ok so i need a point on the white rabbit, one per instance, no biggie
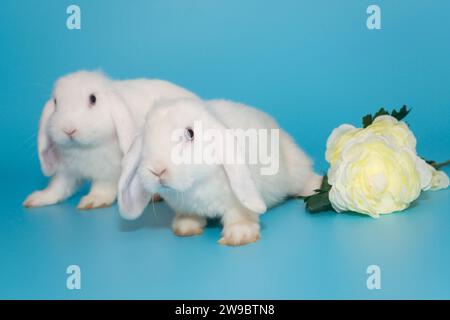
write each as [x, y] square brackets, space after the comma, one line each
[85, 128]
[237, 193]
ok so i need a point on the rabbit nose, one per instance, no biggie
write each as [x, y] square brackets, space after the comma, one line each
[158, 174]
[70, 132]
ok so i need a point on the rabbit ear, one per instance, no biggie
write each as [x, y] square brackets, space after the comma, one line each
[244, 187]
[239, 174]
[132, 198]
[123, 122]
[48, 153]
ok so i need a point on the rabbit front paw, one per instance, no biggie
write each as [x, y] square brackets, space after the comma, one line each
[102, 195]
[40, 198]
[93, 201]
[188, 225]
[240, 233]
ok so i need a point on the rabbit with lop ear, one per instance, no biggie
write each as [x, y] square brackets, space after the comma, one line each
[86, 127]
[235, 191]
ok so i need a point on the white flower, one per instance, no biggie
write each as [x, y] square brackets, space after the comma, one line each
[376, 170]
[373, 176]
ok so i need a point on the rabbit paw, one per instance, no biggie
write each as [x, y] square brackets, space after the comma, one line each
[93, 201]
[39, 199]
[188, 225]
[240, 233]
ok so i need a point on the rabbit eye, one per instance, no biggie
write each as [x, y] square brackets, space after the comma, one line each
[92, 99]
[189, 134]
[54, 101]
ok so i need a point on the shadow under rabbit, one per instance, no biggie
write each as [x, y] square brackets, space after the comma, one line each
[160, 216]
[155, 216]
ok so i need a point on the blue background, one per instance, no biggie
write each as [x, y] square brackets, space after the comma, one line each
[311, 64]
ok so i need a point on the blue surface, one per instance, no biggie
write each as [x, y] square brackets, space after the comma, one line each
[311, 64]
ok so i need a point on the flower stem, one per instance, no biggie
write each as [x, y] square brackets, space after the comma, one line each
[440, 165]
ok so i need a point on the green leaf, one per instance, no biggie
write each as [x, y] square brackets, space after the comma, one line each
[381, 112]
[318, 203]
[400, 115]
[325, 186]
[368, 119]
